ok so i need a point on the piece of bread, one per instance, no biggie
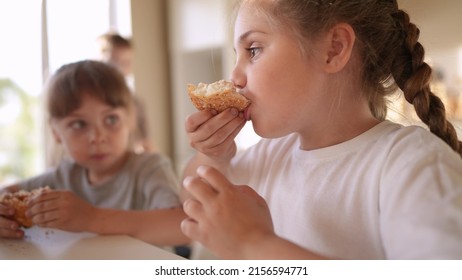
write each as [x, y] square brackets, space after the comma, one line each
[218, 96]
[18, 200]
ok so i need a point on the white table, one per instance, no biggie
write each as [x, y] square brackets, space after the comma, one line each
[53, 244]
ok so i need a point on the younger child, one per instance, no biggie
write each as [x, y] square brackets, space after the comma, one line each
[339, 180]
[104, 187]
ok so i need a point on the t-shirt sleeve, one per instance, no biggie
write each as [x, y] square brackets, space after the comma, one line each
[421, 207]
[59, 177]
[46, 179]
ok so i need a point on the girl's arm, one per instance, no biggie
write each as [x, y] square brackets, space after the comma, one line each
[273, 247]
[212, 135]
[233, 221]
[65, 210]
[159, 227]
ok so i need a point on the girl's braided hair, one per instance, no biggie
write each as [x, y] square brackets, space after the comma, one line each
[387, 43]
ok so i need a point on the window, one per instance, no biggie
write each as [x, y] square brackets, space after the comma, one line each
[73, 27]
[20, 84]
[36, 41]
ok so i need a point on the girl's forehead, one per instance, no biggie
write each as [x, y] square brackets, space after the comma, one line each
[89, 97]
[92, 102]
[250, 20]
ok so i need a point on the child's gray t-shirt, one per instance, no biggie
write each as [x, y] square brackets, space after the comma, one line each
[147, 181]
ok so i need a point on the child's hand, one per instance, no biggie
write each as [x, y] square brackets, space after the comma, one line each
[61, 209]
[213, 134]
[227, 219]
[8, 227]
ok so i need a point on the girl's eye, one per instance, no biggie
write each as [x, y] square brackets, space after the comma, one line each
[77, 124]
[112, 120]
[253, 51]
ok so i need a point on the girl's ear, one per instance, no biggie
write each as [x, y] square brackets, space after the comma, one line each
[340, 42]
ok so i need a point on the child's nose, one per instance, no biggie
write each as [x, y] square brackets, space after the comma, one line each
[238, 77]
[97, 136]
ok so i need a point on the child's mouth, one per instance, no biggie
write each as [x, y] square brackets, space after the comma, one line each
[247, 113]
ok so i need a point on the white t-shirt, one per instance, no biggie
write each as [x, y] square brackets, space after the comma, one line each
[392, 192]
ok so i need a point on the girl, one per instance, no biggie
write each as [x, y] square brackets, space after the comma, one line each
[91, 115]
[339, 180]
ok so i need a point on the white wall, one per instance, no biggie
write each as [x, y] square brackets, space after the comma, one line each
[151, 69]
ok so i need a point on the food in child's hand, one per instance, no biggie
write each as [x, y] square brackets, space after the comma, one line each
[217, 96]
[18, 200]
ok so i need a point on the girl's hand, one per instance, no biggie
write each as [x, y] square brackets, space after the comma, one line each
[213, 134]
[62, 210]
[8, 227]
[227, 219]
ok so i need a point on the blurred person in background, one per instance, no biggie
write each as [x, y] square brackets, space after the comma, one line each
[118, 51]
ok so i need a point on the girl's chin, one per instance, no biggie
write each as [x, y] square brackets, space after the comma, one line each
[267, 131]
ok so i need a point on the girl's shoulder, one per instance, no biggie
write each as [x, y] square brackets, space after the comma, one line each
[413, 137]
[405, 147]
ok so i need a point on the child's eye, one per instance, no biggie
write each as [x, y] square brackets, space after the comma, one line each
[111, 120]
[79, 124]
[253, 51]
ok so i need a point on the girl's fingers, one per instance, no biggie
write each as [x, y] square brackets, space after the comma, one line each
[199, 189]
[217, 181]
[44, 219]
[45, 196]
[195, 120]
[42, 207]
[227, 133]
[219, 126]
[8, 233]
[193, 209]
[6, 211]
[10, 229]
[190, 228]
[249, 192]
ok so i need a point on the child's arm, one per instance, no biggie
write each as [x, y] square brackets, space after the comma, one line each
[234, 222]
[64, 210]
[159, 227]
[273, 247]
[212, 135]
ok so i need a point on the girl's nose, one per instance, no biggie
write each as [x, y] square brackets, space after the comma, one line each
[238, 77]
[97, 136]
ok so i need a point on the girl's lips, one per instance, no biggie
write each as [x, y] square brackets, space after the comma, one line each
[247, 113]
[98, 156]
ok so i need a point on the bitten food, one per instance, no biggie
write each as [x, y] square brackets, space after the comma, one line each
[18, 200]
[217, 96]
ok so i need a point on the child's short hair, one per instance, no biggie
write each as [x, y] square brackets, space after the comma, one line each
[110, 41]
[98, 79]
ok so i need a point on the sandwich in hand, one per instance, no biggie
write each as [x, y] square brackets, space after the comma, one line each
[18, 201]
[217, 96]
